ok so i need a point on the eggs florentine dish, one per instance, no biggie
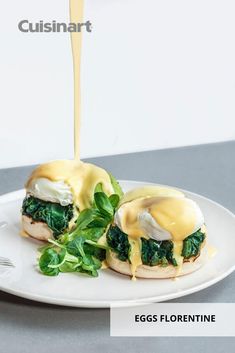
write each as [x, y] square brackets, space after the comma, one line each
[157, 233]
[57, 192]
[79, 208]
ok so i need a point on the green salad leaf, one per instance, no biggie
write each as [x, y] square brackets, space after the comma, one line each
[116, 186]
[48, 260]
[103, 204]
[57, 217]
[78, 250]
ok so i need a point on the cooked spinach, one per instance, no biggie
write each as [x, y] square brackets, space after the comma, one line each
[157, 252]
[57, 217]
[153, 252]
[192, 244]
[118, 242]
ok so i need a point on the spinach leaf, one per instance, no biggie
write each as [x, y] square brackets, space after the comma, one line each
[57, 217]
[192, 244]
[155, 252]
[152, 252]
[118, 242]
[168, 246]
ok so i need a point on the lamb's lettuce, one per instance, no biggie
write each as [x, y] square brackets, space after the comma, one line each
[79, 250]
[116, 186]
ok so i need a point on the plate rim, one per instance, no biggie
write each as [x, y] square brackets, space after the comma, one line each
[17, 194]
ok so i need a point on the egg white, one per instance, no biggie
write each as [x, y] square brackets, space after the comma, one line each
[52, 191]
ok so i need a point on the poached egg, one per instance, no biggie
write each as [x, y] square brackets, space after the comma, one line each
[52, 191]
[159, 213]
[160, 218]
[68, 181]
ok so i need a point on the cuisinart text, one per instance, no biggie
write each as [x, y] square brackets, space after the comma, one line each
[26, 26]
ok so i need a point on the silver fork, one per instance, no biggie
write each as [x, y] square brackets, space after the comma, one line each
[5, 262]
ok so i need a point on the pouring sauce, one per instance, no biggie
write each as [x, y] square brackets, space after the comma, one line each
[81, 177]
[76, 16]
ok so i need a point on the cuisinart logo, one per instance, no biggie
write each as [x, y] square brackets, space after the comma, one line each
[53, 27]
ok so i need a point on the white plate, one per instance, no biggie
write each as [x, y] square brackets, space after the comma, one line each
[109, 288]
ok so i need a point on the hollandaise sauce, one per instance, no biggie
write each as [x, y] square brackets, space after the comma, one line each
[173, 214]
[82, 179]
[76, 16]
[135, 255]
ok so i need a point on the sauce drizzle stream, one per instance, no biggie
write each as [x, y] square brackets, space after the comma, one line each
[76, 16]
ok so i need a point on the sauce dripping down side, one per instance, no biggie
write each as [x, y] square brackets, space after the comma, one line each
[172, 213]
[76, 16]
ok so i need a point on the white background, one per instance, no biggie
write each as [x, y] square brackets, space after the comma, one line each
[155, 74]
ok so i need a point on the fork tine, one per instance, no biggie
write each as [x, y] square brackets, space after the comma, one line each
[7, 265]
[6, 262]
